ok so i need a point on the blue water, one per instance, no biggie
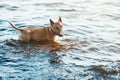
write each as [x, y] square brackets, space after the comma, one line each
[92, 38]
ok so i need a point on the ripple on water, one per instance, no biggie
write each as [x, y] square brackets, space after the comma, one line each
[3, 29]
[12, 8]
[111, 48]
[113, 16]
[49, 4]
[68, 10]
[3, 5]
[93, 49]
[9, 7]
[105, 70]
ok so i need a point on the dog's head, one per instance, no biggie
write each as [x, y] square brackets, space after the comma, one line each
[56, 27]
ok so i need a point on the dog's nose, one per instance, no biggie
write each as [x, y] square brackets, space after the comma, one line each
[61, 35]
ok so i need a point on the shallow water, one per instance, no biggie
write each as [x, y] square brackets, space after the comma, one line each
[92, 38]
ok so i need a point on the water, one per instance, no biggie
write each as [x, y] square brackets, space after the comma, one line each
[92, 38]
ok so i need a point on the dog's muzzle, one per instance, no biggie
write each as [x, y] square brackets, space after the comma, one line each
[61, 34]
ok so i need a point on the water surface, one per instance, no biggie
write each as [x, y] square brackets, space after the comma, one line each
[92, 38]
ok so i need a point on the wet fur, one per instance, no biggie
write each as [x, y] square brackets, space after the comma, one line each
[46, 34]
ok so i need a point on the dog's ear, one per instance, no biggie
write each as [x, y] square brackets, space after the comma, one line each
[60, 19]
[51, 22]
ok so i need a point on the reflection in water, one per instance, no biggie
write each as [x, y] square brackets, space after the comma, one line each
[50, 47]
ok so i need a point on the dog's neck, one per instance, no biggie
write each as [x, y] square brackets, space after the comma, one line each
[50, 34]
[51, 30]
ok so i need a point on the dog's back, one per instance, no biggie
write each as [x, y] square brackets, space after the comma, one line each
[41, 34]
